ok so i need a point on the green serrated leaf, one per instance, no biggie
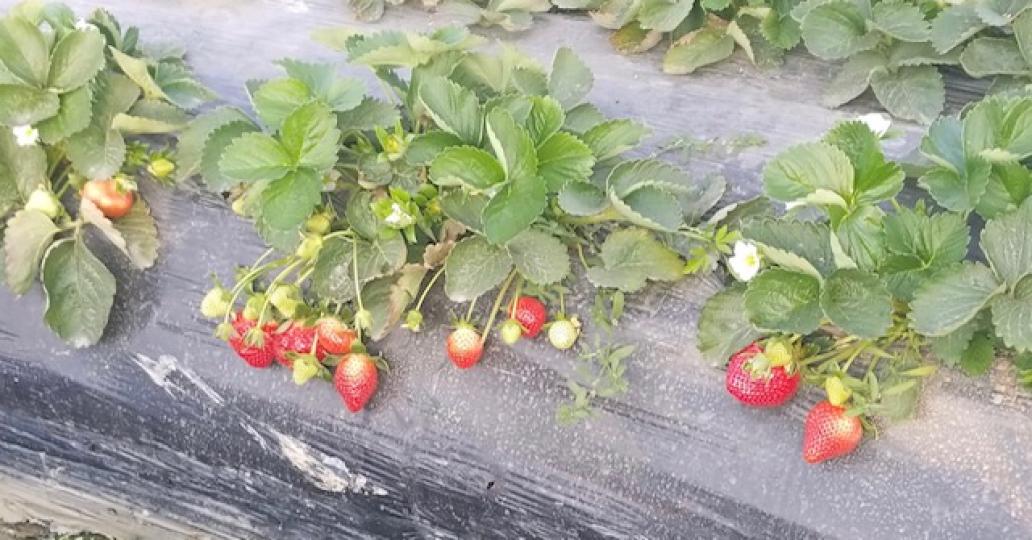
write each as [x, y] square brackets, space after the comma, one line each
[853, 79]
[955, 25]
[311, 138]
[836, 30]
[453, 108]
[979, 355]
[914, 93]
[630, 257]
[24, 51]
[73, 116]
[1007, 244]
[514, 209]
[22, 105]
[857, 302]
[986, 56]
[953, 297]
[563, 158]
[614, 137]
[473, 268]
[697, 49]
[367, 115]
[803, 169]
[466, 166]
[1012, 316]
[288, 201]
[255, 157]
[276, 99]
[724, 327]
[901, 20]
[77, 57]
[784, 301]
[80, 291]
[570, 79]
[799, 246]
[28, 235]
[539, 257]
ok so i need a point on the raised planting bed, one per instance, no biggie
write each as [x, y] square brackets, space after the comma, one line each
[159, 430]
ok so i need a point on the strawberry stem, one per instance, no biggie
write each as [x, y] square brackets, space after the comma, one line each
[358, 289]
[496, 306]
[429, 286]
[275, 281]
[469, 312]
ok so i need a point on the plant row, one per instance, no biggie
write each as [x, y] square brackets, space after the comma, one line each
[894, 47]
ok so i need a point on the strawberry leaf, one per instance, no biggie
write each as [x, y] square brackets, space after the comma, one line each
[453, 108]
[952, 298]
[836, 30]
[29, 233]
[631, 257]
[388, 297]
[254, 157]
[288, 201]
[276, 99]
[804, 169]
[1011, 316]
[73, 116]
[24, 51]
[539, 257]
[466, 166]
[614, 137]
[311, 138]
[570, 79]
[77, 57]
[21, 170]
[723, 325]
[20, 105]
[781, 300]
[986, 56]
[80, 291]
[514, 209]
[563, 158]
[697, 49]
[1007, 244]
[857, 302]
[473, 268]
[192, 141]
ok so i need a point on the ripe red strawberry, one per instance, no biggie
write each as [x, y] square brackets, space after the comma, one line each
[259, 357]
[464, 346]
[759, 388]
[531, 314]
[828, 433]
[334, 337]
[296, 338]
[355, 380]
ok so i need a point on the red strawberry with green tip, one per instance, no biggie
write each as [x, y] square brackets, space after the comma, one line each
[356, 380]
[830, 433]
[531, 314]
[259, 356]
[752, 381]
[464, 346]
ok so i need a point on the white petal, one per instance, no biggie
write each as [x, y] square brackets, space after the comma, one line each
[879, 123]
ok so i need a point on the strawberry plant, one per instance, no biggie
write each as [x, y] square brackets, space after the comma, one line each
[71, 92]
[482, 172]
[857, 299]
[512, 15]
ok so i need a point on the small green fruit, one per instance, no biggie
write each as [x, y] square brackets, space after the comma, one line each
[838, 394]
[253, 307]
[310, 247]
[43, 200]
[563, 333]
[364, 319]
[413, 320]
[511, 332]
[161, 168]
[318, 224]
[215, 303]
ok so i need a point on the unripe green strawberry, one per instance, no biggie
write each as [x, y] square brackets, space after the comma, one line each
[838, 393]
[43, 200]
[310, 247]
[238, 207]
[511, 332]
[253, 307]
[318, 223]
[364, 319]
[563, 333]
[413, 320]
[286, 299]
[215, 303]
[161, 168]
[305, 367]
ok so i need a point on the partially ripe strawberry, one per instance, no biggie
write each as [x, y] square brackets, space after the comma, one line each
[356, 380]
[334, 337]
[464, 346]
[765, 387]
[829, 433]
[259, 356]
[531, 314]
[295, 339]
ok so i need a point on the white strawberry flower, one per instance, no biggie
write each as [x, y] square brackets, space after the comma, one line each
[745, 262]
[879, 123]
[25, 135]
[398, 217]
[83, 26]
